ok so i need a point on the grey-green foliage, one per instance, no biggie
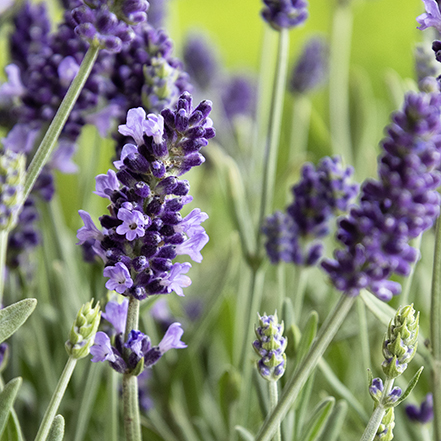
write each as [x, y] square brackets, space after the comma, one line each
[7, 398]
[13, 316]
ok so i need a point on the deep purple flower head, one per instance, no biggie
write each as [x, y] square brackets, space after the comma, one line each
[322, 193]
[432, 16]
[397, 207]
[285, 14]
[239, 96]
[200, 60]
[422, 414]
[311, 69]
[108, 24]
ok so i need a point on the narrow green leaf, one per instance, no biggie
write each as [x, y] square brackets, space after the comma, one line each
[335, 422]
[308, 336]
[229, 389]
[381, 310]
[410, 386]
[13, 316]
[318, 420]
[245, 434]
[7, 398]
[57, 429]
[13, 430]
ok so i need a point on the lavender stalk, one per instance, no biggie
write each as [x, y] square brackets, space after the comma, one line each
[304, 370]
[435, 332]
[50, 139]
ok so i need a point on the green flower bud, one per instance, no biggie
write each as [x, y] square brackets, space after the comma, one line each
[12, 177]
[385, 431]
[401, 341]
[84, 328]
[270, 346]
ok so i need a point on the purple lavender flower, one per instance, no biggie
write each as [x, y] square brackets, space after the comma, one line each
[119, 278]
[13, 88]
[311, 69]
[321, 193]
[432, 16]
[400, 205]
[139, 346]
[284, 14]
[144, 231]
[106, 184]
[4, 351]
[238, 96]
[116, 315]
[200, 60]
[102, 24]
[102, 349]
[421, 414]
[172, 338]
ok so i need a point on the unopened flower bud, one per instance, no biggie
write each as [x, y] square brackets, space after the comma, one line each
[270, 346]
[400, 342]
[12, 177]
[84, 328]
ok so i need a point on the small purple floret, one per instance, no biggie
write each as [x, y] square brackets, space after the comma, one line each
[116, 315]
[119, 278]
[432, 16]
[172, 338]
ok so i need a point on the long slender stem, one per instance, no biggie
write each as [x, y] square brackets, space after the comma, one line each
[338, 82]
[435, 332]
[377, 414]
[270, 159]
[50, 138]
[132, 423]
[301, 118]
[3, 249]
[57, 396]
[273, 394]
[304, 370]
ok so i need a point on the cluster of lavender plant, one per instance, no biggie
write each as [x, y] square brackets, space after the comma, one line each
[138, 86]
[43, 66]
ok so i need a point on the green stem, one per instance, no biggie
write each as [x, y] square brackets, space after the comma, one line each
[338, 82]
[301, 118]
[50, 138]
[306, 367]
[112, 428]
[301, 274]
[3, 249]
[273, 394]
[132, 424]
[377, 414]
[416, 243]
[57, 396]
[435, 333]
[270, 158]
[364, 335]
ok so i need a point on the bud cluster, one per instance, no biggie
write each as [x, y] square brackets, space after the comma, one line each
[82, 334]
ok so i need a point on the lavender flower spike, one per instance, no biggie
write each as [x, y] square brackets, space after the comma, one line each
[286, 14]
[397, 207]
[432, 16]
[421, 414]
[108, 24]
[116, 315]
